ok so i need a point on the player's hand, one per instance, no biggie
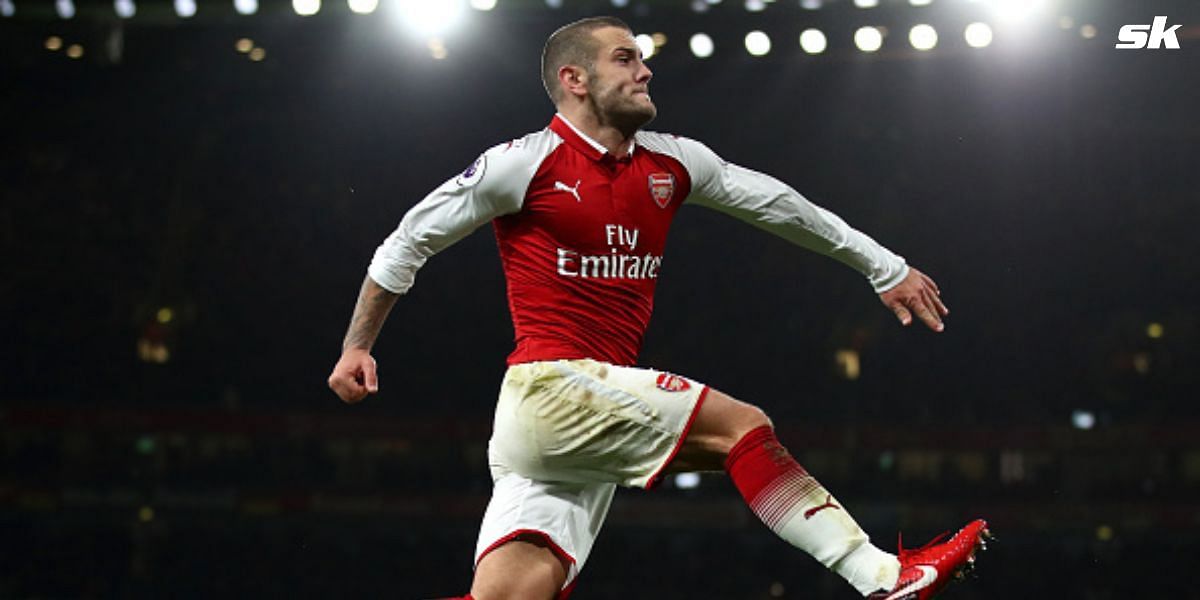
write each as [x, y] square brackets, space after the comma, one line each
[917, 294]
[353, 376]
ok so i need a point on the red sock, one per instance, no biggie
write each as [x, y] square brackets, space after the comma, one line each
[770, 480]
[799, 510]
[802, 512]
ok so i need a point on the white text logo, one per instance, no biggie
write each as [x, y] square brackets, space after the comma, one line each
[617, 264]
[1150, 37]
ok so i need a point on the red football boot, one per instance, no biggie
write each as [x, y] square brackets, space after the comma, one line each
[925, 571]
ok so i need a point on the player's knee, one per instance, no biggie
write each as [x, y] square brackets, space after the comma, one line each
[515, 592]
[745, 418]
[748, 419]
[524, 568]
[516, 586]
[722, 423]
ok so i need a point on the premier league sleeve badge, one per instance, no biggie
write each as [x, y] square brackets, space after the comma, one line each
[473, 173]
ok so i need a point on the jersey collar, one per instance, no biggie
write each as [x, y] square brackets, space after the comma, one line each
[580, 140]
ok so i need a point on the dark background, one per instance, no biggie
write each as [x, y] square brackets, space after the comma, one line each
[1048, 183]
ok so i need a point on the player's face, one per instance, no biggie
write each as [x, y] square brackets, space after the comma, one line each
[619, 87]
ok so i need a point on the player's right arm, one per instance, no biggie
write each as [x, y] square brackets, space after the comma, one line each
[354, 375]
[492, 186]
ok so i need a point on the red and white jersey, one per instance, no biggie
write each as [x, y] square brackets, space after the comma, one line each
[581, 233]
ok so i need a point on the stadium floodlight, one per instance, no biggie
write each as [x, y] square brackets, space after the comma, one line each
[813, 41]
[868, 39]
[866, 3]
[124, 8]
[620, 3]
[1015, 10]
[64, 8]
[1083, 419]
[483, 4]
[1155, 330]
[186, 9]
[7, 9]
[430, 19]
[645, 43]
[758, 43]
[756, 5]
[306, 8]
[810, 4]
[701, 45]
[849, 363]
[362, 7]
[923, 37]
[245, 7]
[978, 35]
[437, 49]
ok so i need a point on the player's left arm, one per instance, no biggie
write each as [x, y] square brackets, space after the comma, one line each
[774, 206]
[916, 294]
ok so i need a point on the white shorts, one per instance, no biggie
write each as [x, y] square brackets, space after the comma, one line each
[566, 434]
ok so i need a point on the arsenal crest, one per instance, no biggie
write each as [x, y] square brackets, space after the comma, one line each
[671, 383]
[662, 187]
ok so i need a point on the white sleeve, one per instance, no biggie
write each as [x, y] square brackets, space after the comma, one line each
[770, 204]
[492, 186]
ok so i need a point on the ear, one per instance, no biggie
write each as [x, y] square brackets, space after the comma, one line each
[573, 79]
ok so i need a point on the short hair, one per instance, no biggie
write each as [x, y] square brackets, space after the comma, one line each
[573, 44]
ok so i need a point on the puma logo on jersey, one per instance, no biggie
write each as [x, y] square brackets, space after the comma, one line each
[808, 514]
[558, 185]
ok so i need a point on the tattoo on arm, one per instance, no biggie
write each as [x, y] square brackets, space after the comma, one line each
[370, 311]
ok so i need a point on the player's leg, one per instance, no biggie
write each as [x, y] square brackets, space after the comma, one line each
[738, 437]
[595, 421]
[525, 567]
[540, 524]
[536, 535]
[719, 424]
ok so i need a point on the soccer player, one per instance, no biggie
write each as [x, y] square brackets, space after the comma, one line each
[581, 211]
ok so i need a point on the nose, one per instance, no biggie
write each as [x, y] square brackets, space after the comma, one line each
[644, 74]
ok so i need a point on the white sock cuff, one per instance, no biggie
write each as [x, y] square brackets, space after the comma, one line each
[869, 569]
